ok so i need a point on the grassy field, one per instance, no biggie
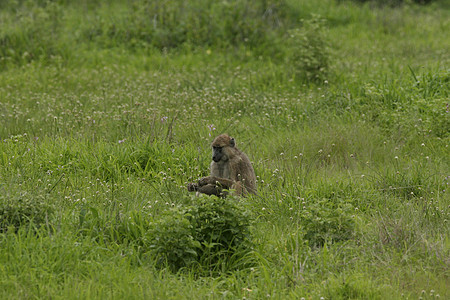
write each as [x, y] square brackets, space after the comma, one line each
[107, 111]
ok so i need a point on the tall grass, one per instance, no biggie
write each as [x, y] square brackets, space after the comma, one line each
[108, 110]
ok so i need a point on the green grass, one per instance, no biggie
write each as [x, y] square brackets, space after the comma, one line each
[343, 109]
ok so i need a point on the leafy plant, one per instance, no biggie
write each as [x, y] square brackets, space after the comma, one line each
[308, 51]
[220, 225]
[172, 241]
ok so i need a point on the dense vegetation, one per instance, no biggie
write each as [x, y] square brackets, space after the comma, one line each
[107, 110]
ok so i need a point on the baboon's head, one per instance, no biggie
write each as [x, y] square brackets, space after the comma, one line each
[221, 147]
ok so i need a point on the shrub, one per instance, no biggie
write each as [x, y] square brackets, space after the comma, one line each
[172, 240]
[308, 51]
[220, 224]
[209, 232]
[16, 211]
[205, 233]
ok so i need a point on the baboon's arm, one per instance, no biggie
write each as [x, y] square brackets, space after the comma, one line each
[223, 182]
[212, 185]
[210, 189]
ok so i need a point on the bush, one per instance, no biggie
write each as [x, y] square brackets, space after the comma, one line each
[308, 51]
[25, 208]
[205, 233]
[209, 232]
[220, 224]
[172, 240]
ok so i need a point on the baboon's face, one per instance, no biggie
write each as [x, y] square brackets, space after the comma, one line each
[222, 148]
[219, 154]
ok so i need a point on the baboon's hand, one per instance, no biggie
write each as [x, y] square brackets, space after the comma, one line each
[192, 187]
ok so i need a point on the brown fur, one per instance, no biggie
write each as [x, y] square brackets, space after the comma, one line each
[232, 172]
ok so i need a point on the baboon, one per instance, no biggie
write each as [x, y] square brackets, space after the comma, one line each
[230, 170]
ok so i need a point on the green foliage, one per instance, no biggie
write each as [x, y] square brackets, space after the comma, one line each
[308, 52]
[169, 24]
[42, 31]
[38, 30]
[419, 103]
[33, 32]
[95, 224]
[220, 224]
[23, 208]
[354, 287]
[173, 241]
[208, 232]
[327, 221]
[107, 112]
[406, 183]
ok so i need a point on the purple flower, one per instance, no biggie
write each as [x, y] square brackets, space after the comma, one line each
[211, 128]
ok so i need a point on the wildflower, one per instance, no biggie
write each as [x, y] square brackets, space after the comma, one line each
[211, 128]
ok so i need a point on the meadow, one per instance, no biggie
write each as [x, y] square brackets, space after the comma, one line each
[108, 109]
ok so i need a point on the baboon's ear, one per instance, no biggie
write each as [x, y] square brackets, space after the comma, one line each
[232, 142]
